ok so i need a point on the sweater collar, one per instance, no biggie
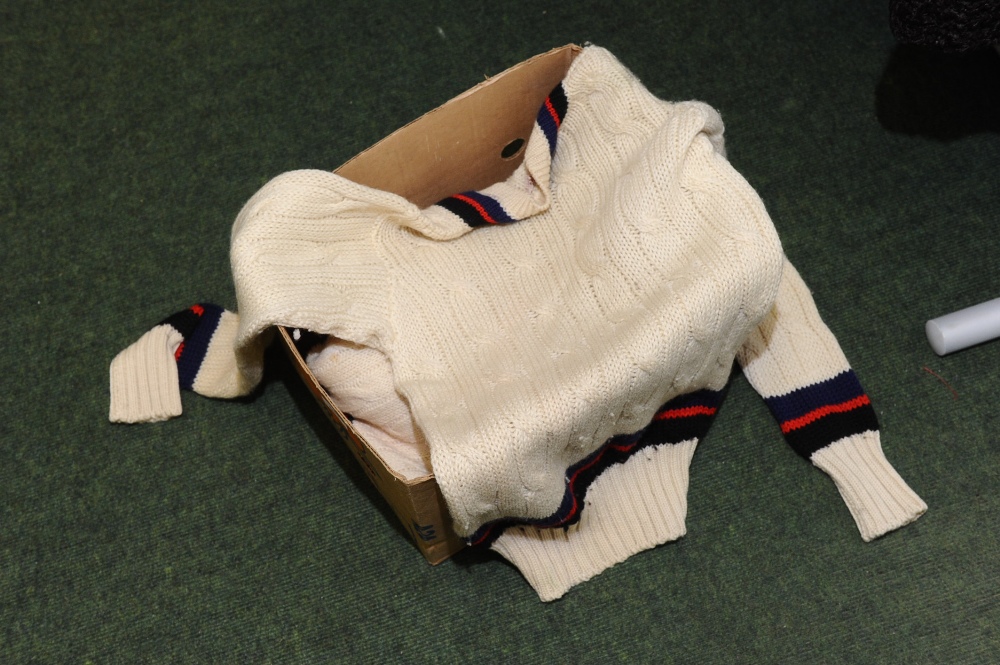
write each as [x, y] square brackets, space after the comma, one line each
[524, 194]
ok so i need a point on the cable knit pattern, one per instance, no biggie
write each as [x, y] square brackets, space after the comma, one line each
[558, 339]
[521, 349]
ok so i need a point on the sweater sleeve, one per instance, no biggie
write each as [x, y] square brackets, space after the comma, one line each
[794, 362]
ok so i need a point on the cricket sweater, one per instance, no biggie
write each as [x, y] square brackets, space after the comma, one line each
[559, 339]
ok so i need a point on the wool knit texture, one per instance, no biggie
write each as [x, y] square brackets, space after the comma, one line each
[641, 501]
[559, 341]
[191, 349]
[641, 262]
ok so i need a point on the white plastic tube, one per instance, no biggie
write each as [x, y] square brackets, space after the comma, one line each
[964, 328]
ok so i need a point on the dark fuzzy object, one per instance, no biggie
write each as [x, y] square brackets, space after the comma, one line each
[950, 25]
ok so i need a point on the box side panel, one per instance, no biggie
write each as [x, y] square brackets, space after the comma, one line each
[431, 525]
[457, 146]
[418, 503]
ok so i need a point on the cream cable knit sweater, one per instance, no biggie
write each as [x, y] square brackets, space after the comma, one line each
[642, 262]
[637, 266]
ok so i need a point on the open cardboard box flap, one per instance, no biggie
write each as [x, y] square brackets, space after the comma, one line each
[456, 147]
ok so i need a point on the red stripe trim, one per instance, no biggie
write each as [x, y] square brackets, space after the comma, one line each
[480, 209]
[179, 351]
[572, 491]
[552, 112]
[686, 412]
[816, 414]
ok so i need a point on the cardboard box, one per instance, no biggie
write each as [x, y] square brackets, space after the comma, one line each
[468, 143]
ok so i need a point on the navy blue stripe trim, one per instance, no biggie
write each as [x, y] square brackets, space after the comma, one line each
[551, 115]
[465, 210]
[196, 345]
[841, 388]
[477, 209]
[615, 450]
[491, 206]
[489, 210]
[462, 209]
[559, 101]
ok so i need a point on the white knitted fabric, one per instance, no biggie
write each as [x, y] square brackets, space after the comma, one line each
[144, 383]
[361, 379]
[631, 507]
[642, 502]
[643, 263]
[639, 266]
[792, 347]
[144, 378]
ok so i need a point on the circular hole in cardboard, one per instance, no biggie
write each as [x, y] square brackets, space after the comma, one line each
[512, 149]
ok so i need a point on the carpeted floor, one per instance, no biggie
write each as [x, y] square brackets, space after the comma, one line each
[131, 133]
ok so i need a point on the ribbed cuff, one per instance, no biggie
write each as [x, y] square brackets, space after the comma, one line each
[878, 498]
[144, 382]
[629, 508]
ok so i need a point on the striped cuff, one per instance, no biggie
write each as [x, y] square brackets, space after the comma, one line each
[193, 349]
[833, 424]
[879, 499]
[816, 415]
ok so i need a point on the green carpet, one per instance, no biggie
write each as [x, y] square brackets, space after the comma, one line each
[131, 132]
